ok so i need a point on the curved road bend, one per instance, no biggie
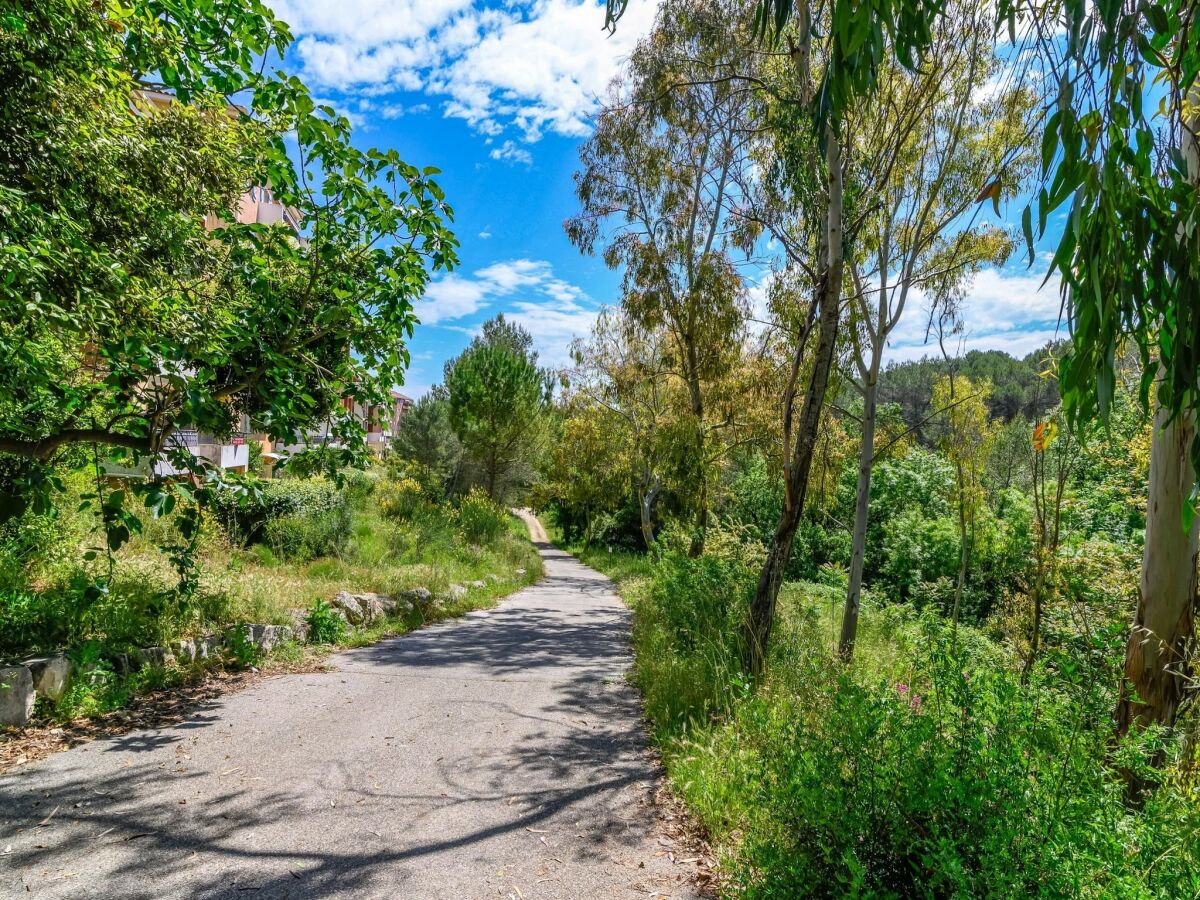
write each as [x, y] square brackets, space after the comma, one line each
[499, 755]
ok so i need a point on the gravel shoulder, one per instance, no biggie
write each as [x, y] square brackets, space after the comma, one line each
[498, 755]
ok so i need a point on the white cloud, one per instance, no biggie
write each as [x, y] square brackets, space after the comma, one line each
[457, 296]
[485, 234]
[553, 325]
[1000, 311]
[536, 65]
[510, 153]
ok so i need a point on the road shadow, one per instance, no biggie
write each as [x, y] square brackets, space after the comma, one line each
[583, 752]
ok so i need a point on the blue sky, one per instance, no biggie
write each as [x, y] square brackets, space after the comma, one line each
[499, 97]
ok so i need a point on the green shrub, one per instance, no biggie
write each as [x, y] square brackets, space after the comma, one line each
[955, 780]
[302, 536]
[481, 520]
[247, 514]
[324, 625]
[401, 499]
[242, 650]
[688, 627]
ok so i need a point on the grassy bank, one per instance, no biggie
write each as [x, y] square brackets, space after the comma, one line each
[384, 538]
[928, 767]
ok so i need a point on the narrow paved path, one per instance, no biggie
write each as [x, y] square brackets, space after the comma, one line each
[500, 755]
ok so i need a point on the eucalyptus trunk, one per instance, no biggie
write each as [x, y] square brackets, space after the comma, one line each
[1156, 655]
[862, 508]
[800, 448]
[646, 496]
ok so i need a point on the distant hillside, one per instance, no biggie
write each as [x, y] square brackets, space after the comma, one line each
[1019, 389]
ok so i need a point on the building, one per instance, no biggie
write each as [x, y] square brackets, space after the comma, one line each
[381, 423]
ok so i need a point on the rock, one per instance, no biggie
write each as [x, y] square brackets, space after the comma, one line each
[456, 592]
[51, 675]
[521, 571]
[121, 663]
[494, 578]
[267, 637]
[389, 605]
[418, 596]
[184, 651]
[352, 610]
[208, 646]
[17, 695]
[478, 584]
[300, 627]
[152, 656]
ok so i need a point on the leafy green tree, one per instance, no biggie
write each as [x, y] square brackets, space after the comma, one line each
[966, 434]
[498, 399]
[426, 438]
[1121, 151]
[657, 188]
[622, 368]
[134, 302]
[834, 56]
[942, 142]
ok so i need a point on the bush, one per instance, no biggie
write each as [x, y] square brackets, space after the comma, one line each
[401, 499]
[324, 625]
[480, 520]
[688, 627]
[305, 536]
[954, 780]
[297, 518]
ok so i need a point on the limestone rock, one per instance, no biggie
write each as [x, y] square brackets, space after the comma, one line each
[478, 584]
[267, 637]
[152, 656]
[208, 646]
[17, 695]
[350, 607]
[456, 592]
[418, 596]
[299, 618]
[51, 675]
[184, 651]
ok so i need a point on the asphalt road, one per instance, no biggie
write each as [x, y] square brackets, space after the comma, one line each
[500, 755]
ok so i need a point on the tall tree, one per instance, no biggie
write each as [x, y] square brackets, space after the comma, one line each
[621, 367]
[136, 301]
[426, 438]
[1121, 151]
[941, 142]
[966, 433]
[498, 398]
[834, 62]
[657, 183]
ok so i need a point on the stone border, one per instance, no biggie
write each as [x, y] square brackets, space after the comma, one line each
[50, 676]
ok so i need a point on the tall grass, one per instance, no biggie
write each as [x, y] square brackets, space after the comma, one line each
[926, 768]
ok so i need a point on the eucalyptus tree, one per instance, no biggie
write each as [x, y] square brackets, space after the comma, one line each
[927, 147]
[834, 51]
[656, 188]
[135, 302]
[1121, 150]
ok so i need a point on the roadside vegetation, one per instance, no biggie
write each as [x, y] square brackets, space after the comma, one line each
[903, 628]
[279, 559]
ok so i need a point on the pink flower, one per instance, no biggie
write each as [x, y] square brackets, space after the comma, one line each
[901, 688]
[915, 703]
